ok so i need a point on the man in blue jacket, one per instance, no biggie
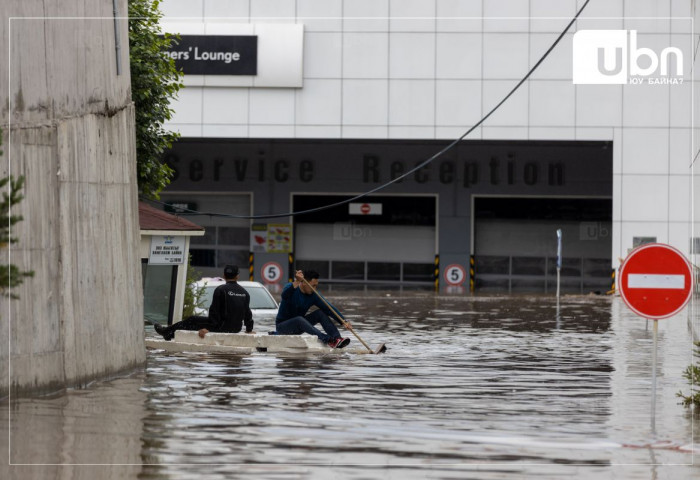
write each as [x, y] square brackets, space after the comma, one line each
[297, 298]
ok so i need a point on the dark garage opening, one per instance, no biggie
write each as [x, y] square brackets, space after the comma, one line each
[515, 244]
[395, 245]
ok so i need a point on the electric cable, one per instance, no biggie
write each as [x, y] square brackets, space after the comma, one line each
[409, 172]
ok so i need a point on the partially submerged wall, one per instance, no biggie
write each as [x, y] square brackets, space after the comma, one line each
[68, 127]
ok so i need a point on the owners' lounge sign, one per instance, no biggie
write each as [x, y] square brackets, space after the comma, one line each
[216, 54]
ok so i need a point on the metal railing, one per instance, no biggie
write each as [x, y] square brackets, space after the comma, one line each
[538, 274]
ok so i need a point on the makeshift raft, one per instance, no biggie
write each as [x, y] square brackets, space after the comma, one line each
[245, 343]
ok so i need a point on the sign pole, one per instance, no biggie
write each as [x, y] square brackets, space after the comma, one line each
[558, 262]
[655, 282]
[653, 377]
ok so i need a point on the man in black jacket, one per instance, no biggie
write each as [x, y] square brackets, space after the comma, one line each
[229, 310]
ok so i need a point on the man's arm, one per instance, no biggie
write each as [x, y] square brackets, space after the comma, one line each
[217, 309]
[329, 309]
[288, 290]
[248, 319]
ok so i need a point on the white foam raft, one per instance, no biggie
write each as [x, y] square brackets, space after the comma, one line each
[245, 343]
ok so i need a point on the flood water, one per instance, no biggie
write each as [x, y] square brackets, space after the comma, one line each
[470, 387]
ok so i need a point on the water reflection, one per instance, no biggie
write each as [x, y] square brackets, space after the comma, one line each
[502, 385]
[98, 425]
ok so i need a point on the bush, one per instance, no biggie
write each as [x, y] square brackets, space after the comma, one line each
[692, 374]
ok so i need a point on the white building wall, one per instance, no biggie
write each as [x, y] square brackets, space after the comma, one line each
[430, 69]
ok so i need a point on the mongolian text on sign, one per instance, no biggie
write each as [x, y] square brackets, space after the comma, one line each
[216, 54]
[167, 250]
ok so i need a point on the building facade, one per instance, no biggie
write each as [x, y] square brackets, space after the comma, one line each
[333, 99]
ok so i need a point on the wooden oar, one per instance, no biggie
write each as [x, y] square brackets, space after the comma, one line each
[380, 349]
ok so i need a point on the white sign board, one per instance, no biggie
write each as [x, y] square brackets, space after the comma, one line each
[280, 53]
[258, 238]
[166, 250]
[365, 208]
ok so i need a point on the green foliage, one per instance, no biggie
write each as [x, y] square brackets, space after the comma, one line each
[193, 294]
[10, 275]
[692, 374]
[154, 83]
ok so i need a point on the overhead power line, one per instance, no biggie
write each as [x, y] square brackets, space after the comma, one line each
[409, 172]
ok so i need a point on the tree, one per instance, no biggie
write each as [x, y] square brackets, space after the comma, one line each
[193, 293]
[10, 275]
[692, 374]
[154, 83]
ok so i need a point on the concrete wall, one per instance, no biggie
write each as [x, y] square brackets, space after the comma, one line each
[69, 129]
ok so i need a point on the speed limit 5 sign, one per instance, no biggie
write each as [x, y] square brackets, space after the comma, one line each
[271, 272]
[455, 274]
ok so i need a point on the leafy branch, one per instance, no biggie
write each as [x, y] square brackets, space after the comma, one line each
[155, 82]
[692, 374]
[10, 275]
[193, 294]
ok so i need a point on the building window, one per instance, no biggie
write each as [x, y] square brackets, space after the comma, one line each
[381, 271]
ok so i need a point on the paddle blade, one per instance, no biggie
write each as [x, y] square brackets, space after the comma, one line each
[380, 349]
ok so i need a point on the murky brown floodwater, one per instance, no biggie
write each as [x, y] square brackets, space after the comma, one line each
[470, 388]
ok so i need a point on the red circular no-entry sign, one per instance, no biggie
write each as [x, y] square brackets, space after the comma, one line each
[365, 208]
[655, 281]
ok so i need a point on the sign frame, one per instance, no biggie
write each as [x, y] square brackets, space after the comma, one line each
[654, 282]
[455, 283]
[271, 264]
[167, 250]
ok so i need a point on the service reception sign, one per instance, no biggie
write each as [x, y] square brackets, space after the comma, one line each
[166, 250]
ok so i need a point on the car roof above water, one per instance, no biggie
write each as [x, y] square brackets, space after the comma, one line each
[216, 281]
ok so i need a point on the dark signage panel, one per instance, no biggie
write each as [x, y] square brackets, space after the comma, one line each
[216, 54]
[486, 167]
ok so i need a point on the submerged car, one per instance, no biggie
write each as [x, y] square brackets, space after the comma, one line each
[262, 303]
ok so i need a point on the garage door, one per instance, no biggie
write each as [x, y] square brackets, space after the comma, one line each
[515, 244]
[382, 239]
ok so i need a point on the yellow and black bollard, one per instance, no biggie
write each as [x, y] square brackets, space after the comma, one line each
[472, 273]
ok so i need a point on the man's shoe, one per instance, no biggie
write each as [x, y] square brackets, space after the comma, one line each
[164, 331]
[338, 342]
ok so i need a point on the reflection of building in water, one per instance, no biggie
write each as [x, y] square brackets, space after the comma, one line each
[344, 103]
[100, 425]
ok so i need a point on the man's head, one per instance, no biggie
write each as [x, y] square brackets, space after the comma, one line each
[310, 276]
[230, 272]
